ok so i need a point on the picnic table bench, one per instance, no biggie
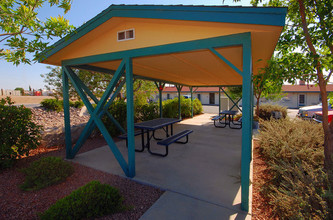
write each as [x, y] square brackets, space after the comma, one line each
[170, 140]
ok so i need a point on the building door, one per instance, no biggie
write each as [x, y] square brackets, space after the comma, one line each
[199, 97]
[301, 100]
[211, 98]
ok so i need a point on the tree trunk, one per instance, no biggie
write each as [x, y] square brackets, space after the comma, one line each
[328, 130]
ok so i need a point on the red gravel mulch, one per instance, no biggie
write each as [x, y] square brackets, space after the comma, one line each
[260, 207]
[17, 204]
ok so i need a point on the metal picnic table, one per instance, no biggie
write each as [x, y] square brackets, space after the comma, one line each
[151, 126]
[227, 118]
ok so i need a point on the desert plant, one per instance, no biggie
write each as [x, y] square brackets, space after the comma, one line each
[297, 186]
[265, 111]
[89, 201]
[52, 104]
[45, 172]
[76, 104]
[18, 134]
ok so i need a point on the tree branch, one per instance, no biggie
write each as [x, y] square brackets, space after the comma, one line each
[329, 76]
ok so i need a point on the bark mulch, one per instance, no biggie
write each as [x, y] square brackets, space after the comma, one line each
[260, 207]
[17, 204]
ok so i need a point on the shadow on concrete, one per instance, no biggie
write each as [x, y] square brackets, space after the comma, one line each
[201, 178]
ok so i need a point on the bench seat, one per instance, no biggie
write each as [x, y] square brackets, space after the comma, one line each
[170, 140]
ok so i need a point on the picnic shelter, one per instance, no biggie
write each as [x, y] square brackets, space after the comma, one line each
[194, 46]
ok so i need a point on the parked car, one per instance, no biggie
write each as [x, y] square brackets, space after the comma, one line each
[308, 111]
[318, 116]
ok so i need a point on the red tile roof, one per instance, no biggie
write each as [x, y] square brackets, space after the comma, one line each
[305, 88]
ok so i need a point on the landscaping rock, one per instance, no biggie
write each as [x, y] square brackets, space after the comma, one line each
[53, 125]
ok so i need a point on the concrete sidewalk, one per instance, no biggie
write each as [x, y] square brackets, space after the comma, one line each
[201, 178]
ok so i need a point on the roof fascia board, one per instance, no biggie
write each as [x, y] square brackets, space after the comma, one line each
[216, 42]
[263, 16]
[272, 16]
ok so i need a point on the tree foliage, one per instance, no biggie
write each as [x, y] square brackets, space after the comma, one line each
[235, 92]
[22, 32]
[97, 83]
[267, 83]
[305, 51]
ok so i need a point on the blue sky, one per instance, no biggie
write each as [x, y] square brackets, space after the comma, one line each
[82, 10]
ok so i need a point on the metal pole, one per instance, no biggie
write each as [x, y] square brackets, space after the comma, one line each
[68, 135]
[130, 117]
[219, 100]
[179, 88]
[247, 123]
[191, 90]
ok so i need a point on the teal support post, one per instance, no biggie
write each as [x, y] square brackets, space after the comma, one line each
[219, 100]
[96, 113]
[191, 90]
[247, 123]
[130, 117]
[160, 87]
[68, 135]
[179, 89]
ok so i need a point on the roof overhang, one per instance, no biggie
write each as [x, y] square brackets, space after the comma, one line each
[189, 45]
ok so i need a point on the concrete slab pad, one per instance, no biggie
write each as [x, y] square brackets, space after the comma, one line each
[207, 168]
[182, 207]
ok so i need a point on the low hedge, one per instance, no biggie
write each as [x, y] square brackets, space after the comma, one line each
[297, 186]
[89, 201]
[58, 105]
[170, 107]
[45, 172]
[149, 111]
[265, 111]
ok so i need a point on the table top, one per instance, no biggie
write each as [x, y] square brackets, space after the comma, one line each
[156, 123]
[229, 112]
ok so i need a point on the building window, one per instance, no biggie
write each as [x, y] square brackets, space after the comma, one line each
[168, 96]
[301, 99]
[199, 96]
[126, 35]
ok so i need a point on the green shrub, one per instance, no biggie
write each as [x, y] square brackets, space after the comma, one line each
[197, 107]
[52, 105]
[90, 201]
[58, 105]
[18, 134]
[146, 112]
[45, 172]
[297, 187]
[76, 104]
[265, 111]
[170, 107]
[118, 110]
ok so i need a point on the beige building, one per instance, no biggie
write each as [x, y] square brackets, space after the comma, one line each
[301, 95]
[207, 95]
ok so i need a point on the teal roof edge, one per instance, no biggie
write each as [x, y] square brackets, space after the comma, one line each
[246, 15]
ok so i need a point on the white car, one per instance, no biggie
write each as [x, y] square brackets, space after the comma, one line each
[308, 111]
